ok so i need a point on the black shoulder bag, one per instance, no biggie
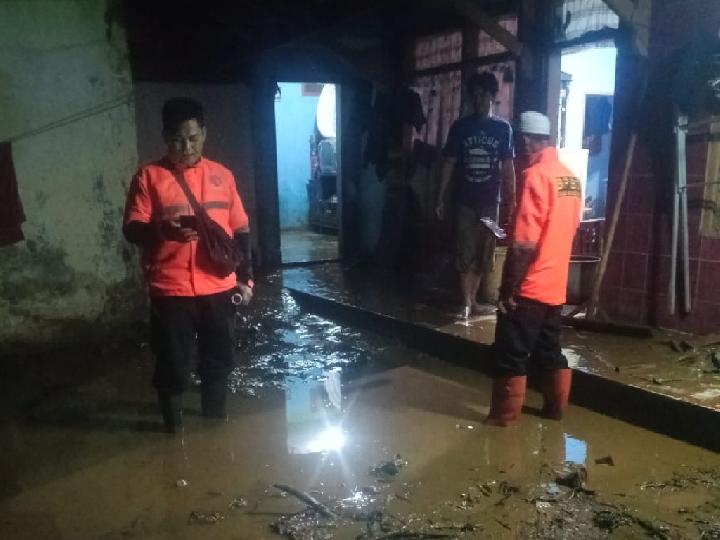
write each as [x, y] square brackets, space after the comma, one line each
[224, 258]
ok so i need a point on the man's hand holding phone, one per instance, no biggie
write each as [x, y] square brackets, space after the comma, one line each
[182, 229]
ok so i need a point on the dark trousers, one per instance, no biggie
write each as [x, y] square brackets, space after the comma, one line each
[528, 336]
[178, 323]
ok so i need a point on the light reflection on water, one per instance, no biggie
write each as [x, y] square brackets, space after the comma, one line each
[313, 412]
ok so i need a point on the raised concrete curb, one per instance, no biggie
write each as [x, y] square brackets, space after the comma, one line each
[657, 412]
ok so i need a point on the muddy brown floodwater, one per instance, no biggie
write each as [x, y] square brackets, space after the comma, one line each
[332, 433]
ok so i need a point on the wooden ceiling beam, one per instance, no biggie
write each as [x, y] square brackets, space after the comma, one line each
[637, 14]
[489, 24]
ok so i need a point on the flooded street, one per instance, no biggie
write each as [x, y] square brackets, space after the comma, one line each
[332, 433]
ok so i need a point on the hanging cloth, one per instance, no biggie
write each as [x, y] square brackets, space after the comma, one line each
[11, 210]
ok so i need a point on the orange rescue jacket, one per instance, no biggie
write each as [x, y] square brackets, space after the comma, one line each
[176, 268]
[547, 218]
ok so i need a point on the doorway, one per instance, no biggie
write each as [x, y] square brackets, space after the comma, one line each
[587, 87]
[307, 145]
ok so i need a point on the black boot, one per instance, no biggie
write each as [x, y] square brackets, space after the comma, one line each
[171, 409]
[213, 398]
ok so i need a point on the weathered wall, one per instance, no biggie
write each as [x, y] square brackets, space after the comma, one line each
[636, 283]
[59, 59]
[227, 118]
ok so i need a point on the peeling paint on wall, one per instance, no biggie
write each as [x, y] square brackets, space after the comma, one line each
[74, 277]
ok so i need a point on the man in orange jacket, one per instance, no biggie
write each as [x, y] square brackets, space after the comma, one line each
[190, 303]
[535, 279]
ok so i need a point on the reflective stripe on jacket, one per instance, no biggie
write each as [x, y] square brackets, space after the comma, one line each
[176, 268]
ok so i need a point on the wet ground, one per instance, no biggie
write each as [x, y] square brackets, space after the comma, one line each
[673, 364]
[305, 245]
[332, 433]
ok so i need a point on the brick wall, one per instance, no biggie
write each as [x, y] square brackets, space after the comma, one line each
[637, 277]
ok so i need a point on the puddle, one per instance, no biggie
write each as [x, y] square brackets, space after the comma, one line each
[368, 439]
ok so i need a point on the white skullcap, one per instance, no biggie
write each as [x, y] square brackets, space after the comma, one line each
[534, 123]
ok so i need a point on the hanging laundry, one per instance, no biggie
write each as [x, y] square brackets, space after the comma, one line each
[11, 210]
[390, 113]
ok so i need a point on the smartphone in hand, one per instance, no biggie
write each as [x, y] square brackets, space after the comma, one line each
[188, 222]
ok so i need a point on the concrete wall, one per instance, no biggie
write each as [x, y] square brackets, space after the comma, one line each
[59, 59]
[294, 123]
[227, 119]
[636, 283]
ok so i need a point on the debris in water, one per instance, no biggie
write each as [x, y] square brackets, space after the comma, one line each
[607, 460]
[408, 535]
[389, 468]
[571, 475]
[202, 518]
[237, 502]
[306, 525]
[309, 500]
[462, 427]
[681, 346]
[715, 359]
[609, 520]
[181, 483]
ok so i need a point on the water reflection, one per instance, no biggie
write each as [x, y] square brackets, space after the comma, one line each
[313, 412]
[575, 450]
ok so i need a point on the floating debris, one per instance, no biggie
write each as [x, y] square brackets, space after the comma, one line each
[237, 502]
[681, 346]
[309, 500]
[607, 460]
[201, 518]
[389, 468]
[715, 361]
[609, 520]
[462, 427]
[571, 475]
[306, 525]
[181, 483]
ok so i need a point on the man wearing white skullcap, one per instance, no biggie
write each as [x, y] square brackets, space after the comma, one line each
[535, 279]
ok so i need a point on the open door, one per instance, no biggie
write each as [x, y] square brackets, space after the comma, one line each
[307, 145]
[585, 119]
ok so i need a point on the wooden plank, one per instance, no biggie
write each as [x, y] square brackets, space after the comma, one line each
[475, 62]
[468, 9]
[636, 13]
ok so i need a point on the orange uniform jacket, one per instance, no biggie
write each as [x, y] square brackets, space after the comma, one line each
[176, 268]
[546, 219]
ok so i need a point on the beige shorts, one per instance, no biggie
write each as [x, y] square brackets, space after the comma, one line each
[474, 243]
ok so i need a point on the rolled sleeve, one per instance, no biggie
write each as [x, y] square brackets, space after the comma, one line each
[138, 206]
[532, 213]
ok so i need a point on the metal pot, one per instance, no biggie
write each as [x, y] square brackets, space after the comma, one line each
[581, 277]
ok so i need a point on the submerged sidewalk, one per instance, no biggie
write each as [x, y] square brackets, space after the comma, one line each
[664, 382]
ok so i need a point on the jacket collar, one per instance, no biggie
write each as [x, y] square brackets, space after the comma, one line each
[543, 156]
[179, 167]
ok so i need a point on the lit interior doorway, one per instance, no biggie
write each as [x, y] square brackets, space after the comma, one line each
[307, 145]
[587, 87]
